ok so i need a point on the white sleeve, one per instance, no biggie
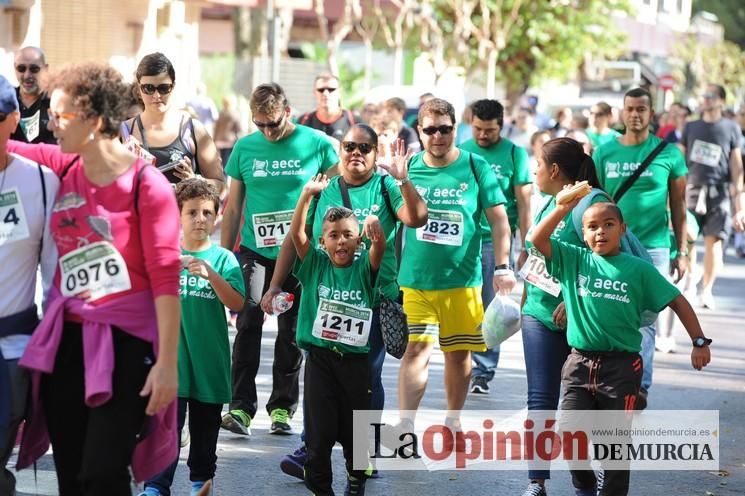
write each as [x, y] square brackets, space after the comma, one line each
[48, 262]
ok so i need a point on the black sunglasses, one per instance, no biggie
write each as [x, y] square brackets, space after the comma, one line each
[3, 117]
[32, 67]
[443, 130]
[330, 90]
[350, 146]
[162, 89]
[270, 125]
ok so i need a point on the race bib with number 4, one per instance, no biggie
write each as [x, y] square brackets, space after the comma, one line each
[97, 267]
[534, 272]
[13, 225]
[444, 227]
[342, 323]
[706, 153]
[271, 228]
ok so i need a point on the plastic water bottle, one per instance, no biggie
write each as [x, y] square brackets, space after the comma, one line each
[282, 302]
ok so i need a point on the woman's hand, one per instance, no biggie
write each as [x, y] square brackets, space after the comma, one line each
[560, 316]
[399, 159]
[161, 385]
[183, 169]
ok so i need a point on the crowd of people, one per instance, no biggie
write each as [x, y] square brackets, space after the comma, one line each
[114, 193]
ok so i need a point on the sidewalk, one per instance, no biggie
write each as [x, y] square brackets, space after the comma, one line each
[250, 465]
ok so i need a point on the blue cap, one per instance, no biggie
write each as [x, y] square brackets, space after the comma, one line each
[8, 99]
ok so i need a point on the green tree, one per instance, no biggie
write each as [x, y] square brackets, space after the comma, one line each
[731, 14]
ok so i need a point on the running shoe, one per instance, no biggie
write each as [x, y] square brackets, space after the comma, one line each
[641, 400]
[237, 421]
[535, 489]
[480, 385]
[149, 491]
[355, 486]
[201, 488]
[280, 422]
[294, 463]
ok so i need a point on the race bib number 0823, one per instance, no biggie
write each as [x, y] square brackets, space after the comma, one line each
[98, 268]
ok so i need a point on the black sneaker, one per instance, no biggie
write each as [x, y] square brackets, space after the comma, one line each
[280, 422]
[355, 486]
[535, 489]
[641, 400]
[480, 385]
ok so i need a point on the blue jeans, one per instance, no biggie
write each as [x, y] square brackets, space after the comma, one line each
[486, 361]
[661, 260]
[545, 353]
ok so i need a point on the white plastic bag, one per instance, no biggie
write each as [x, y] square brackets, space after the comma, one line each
[501, 320]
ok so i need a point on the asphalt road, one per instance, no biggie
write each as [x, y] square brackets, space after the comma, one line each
[250, 465]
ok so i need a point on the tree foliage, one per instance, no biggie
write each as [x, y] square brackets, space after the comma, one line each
[731, 14]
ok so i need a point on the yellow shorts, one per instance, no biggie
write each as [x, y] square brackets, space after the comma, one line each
[453, 315]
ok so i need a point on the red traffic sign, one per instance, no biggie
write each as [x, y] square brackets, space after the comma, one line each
[666, 82]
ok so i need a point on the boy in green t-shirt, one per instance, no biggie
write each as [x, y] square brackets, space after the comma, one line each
[334, 322]
[210, 281]
[605, 292]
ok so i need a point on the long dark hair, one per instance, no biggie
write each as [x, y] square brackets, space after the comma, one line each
[572, 160]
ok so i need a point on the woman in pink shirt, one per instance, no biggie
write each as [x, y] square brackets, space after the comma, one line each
[104, 357]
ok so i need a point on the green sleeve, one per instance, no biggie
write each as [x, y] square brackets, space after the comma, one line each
[522, 169]
[233, 168]
[679, 167]
[231, 272]
[598, 159]
[327, 156]
[658, 291]
[490, 193]
[563, 261]
[394, 193]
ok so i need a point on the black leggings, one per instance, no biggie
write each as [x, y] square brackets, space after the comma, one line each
[93, 446]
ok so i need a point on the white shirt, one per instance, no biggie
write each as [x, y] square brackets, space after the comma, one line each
[19, 258]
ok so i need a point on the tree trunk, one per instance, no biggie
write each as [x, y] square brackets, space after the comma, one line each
[398, 62]
[491, 73]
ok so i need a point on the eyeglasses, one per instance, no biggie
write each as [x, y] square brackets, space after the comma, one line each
[270, 125]
[21, 68]
[323, 90]
[443, 130]
[3, 117]
[350, 146]
[710, 96]
[162, 89]
[55, 117]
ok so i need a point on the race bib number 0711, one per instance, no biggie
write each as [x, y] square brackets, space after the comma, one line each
[342, 323]
[271, 228]
[98, 268]
[444, 227]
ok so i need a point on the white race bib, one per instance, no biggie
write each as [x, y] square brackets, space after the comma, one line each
[97, 267]
[342, 323]
[534, 272]
[706, 153]
[271, 228]
[13, 225]
[444, 227]
[30, 126]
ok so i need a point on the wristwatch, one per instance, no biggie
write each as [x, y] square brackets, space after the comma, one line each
[401, 182]
[700, 342]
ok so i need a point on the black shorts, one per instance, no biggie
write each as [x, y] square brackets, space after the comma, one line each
[715, 220]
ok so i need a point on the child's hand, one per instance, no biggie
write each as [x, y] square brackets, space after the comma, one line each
[198, 267]
[372, 228]
[316, 184]
[700, 357]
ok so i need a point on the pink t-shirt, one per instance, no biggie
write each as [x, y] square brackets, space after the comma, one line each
[146, 237]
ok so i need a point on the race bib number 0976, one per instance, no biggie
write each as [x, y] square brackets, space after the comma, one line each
[98, 268]
[342, 323]
[271, 228]
[443, 227]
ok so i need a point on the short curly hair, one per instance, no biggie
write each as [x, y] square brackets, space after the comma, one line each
[196, 188]
[97, 90]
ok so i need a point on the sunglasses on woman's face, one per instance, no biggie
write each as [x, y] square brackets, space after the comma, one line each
[350, 146]
[162, 89]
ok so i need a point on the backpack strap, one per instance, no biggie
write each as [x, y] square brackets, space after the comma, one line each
[67, 168]
[512, 155]
[195, 155]
[141, 128]
[638, 172]
[345, 193]
[44, 203]
[387, 199]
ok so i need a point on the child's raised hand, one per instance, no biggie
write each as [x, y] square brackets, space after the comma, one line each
[700, 357]
[372, 228]
[316, 184]
[571, 194]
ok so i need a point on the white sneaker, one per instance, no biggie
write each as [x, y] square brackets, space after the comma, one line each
[707, 301]
[665, 344]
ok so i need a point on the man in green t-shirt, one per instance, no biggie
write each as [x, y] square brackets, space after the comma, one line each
[600, 131]
[510, 163]
[268, 169]
[645, 203]
[605, 292]
[441, 262]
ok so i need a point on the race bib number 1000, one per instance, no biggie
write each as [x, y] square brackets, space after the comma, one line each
[98, 268]
[443, 227]
[13, 225]
[342, 323]
[534, 272]
[271, 228]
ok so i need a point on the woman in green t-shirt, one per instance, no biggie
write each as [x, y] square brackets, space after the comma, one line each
[393, 198]
[562, 162]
